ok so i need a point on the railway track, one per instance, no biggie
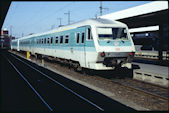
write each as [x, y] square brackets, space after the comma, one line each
[151, 61]
[139, 86]
[143, 87]
[120, 84]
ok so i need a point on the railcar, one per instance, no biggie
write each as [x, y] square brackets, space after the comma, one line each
[15, 44]
[98, 44]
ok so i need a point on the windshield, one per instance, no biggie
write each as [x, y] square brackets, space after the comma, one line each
[108, 33]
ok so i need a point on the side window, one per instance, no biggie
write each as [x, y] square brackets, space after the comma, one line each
[48, 41]
[45, 41]
[77, 37]
[39, 41]
[56, 40]
[83, 37]
[67, 39]
[89, 34]
[51, 40]
[42, 40]
[61, 39]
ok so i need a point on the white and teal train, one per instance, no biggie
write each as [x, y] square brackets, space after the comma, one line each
[98, 44]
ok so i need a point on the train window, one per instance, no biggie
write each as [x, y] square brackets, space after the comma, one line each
[36, 41]
[67, 39]
[40, 41]
[51, 40]
[61, 39]
[89, 36]
[56, 40]
[82, 38]
[44, 40]
[108, 33]
[48, 41]
[88, 31]
[77, 37]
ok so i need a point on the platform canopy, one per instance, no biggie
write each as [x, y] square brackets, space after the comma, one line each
[150, 14]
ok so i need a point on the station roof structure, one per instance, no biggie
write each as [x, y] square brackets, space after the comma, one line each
[144, 29]
[150, 14]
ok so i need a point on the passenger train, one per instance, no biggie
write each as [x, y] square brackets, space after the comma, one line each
[97, 44]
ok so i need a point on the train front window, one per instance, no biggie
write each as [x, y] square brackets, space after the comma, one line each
[108, 33]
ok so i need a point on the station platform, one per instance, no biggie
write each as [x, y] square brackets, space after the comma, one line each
[151, 54]
[154, 74]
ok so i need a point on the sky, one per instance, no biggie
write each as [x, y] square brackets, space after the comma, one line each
[24, 18]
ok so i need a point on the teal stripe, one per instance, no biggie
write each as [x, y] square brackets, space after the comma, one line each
[75, 49]
[113, 43]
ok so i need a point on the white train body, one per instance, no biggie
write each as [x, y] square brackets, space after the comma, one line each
[98, 44]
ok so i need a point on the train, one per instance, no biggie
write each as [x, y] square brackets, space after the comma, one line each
[95, 43]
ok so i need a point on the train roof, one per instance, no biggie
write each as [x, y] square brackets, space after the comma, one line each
[98, 21]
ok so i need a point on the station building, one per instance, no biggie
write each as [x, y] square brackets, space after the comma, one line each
[148, 25]
[5, 39]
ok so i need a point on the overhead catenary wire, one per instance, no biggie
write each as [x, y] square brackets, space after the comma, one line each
[47, 18]
[27, 24]
[60, 19]
[32, 22]
[35, 14]
[68, 13]
[101, 8]
[49, 15]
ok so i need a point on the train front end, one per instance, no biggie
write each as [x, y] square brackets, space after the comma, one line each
[114, 46]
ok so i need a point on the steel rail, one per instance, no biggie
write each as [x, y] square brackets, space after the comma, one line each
[140, 90]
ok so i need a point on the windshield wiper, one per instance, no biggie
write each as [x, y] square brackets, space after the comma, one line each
[122, 41]
[108, 41]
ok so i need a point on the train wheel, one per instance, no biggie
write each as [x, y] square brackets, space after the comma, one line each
[78, 68]
[89, 72]
[36, 56]
[70, 66]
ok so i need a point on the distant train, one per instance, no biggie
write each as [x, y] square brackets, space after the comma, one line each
[98, 44]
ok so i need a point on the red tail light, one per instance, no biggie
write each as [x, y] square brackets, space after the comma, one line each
[102, 54]
[131, 54]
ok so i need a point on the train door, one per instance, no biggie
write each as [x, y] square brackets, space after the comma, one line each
[82, 42]
[32, 45]
[78, 48]
[89, 46]
[18, 45]
[29, 45]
